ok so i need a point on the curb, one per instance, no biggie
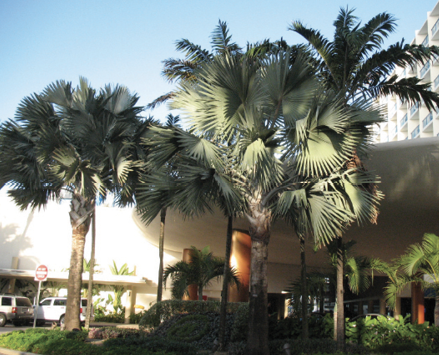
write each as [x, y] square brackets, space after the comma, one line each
[4, 351]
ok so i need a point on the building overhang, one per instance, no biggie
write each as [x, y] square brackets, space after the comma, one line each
[63, 276]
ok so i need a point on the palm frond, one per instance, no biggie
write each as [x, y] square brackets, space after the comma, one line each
[222, 41]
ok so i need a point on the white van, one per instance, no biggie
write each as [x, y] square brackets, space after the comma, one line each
[53, 309]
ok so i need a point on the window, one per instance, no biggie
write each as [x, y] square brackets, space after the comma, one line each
[84, 303]
[6, 301]
[46, 303]
[60, 302]
[23, 302]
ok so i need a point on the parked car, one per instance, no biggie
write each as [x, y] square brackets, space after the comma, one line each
[15, 309]
[53, 309]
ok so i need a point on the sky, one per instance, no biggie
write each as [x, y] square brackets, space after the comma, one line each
[124, 42]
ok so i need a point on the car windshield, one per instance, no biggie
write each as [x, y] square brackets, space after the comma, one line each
[23, 302]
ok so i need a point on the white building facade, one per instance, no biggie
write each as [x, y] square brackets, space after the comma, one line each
[411, 121]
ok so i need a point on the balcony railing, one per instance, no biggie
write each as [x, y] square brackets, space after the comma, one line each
[435, 28]
[425, 41]
[403, 121]
[427, 120]
[415, 132]
[400, 103]
[414, 108]
[424, 69]
[393, 110]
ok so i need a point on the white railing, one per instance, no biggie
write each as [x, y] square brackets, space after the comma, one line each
[415, 132]
[424, 69]
[414, 108]
[425, 41]
[427, 120]
[403, 121]
[435, 28]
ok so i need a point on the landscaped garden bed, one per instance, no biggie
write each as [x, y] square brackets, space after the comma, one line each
[195, 332]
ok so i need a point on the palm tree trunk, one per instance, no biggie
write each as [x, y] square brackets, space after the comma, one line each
[339, 326]
[260, 223]
[200, 292]
[304, 289]
[91, 271]
[225, 291]
[161, 247]
[436, 309]
[80, 216]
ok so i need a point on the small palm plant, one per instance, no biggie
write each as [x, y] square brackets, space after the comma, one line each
[200, 271]
[119, 290]
[419, 260]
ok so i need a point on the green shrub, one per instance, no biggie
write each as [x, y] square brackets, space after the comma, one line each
[111, 318]
[240, 324]
[300, 346]
[113, 332]
[200, 330]
[136, 317]
[55, 342]
[397, 347]
[375, 333]
[164, 310]
[153, 344]
[190, 328]
[44, 341]
[291, 327]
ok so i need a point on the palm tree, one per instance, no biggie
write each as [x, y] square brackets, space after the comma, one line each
[356, 68]
[263, 111]
[75, 140]
[200, 271]
[119, 290]
[419, 260]
[180, 70]
[150, 204]
[357, 273]
[189, 187]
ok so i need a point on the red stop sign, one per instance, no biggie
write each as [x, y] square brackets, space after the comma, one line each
[41, 273]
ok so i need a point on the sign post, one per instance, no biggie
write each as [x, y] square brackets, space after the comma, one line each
[41, 273]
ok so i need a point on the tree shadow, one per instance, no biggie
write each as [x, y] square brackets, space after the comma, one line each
[13, 243]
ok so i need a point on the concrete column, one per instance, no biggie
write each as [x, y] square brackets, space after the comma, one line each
[382, 306]
[417, 303]
[193, 289]
[397, 311]
[14, 265]
[129, 304]
[240, 260]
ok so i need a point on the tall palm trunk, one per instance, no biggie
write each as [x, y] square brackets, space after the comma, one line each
[436, 309]
[304, 289]
[339, 323]
[260, 223]
[225, 291]
[81, 210]
[161, 247]
[92, 268]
